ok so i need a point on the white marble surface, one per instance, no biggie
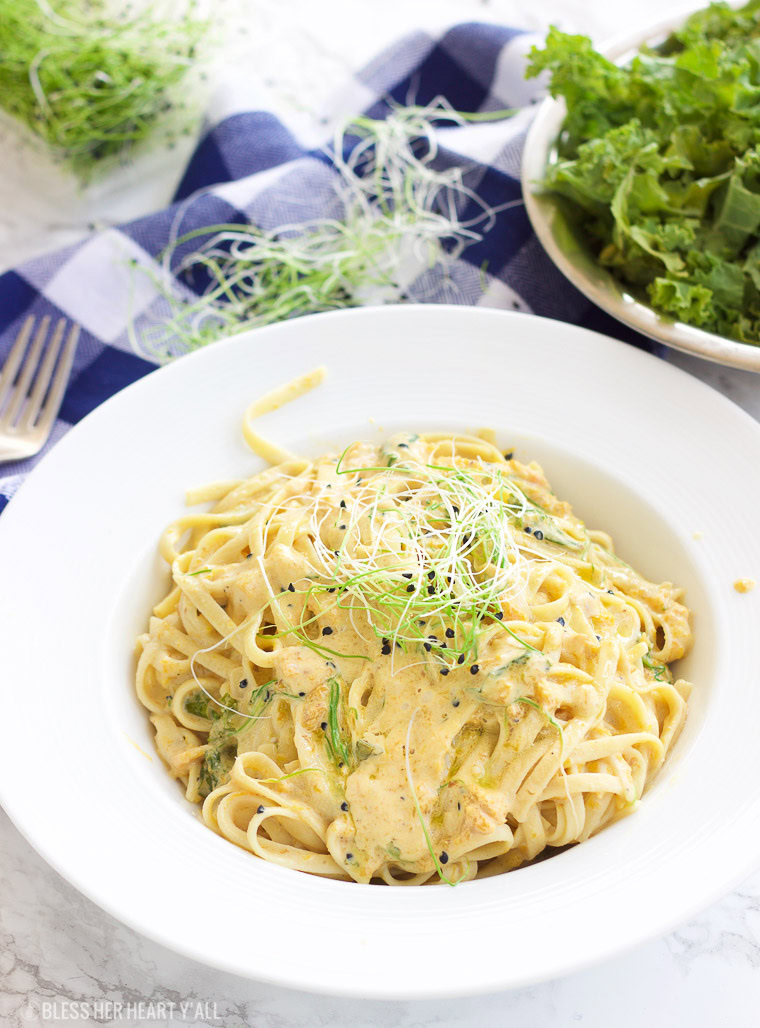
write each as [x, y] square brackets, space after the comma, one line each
[57, 947]
[61, 958]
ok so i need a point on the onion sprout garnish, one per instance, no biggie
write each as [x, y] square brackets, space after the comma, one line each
[517, 638]
[292, 774]
[661, 671]
[423, 823]
[549, 717]
[310, 644]
[90, 84]
[337, 747]
[428, 555]
[299, 630]
[400, 211]
[230, 707]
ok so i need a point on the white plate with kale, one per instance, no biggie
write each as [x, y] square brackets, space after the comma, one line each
[639, 178]
[590, 703]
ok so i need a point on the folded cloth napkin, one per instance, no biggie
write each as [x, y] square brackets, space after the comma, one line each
[251, 166]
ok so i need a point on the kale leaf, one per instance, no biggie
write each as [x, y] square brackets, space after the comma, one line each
[659, 165]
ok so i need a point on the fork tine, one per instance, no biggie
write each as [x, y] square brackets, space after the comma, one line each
[14, 358]
[55, 396]
[28, 368]
[42, 380]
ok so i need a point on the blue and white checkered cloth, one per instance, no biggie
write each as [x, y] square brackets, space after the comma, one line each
[251, 166]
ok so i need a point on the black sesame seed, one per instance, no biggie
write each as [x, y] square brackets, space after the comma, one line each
[343, 527]
[431, 575]
[302, 694]
[291, 588]
[499, 615]
[349, 856]
[386, 649]
[528, 529]
[403, 446]
[243, 683]
[538, 534]
[455, 509]
[344, 805]
[509, 454]
[599, 638]
[444, 857]
[444, 670]
[427, 646]
[260, 809]
[474, 669]
[410, 588]
[461, 659]
[561, 621]
[332, 590]
[459, 806]
[327, 631]
[407, 575]
[449, 633]
[431, 590]
[611, 592]
[323, 726]
[249, 556]
[455, 703]
[343, 504]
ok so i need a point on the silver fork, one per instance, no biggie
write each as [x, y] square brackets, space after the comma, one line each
[32, 387]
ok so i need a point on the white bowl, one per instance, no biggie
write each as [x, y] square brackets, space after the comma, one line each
[642, 450]
[575, 261]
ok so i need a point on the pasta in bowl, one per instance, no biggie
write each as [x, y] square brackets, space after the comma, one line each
[407, 663]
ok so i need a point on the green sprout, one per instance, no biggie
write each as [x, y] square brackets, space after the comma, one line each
[444, 555]
[423, 824]
[660, 670]
[337, 747]
[398, 212]
[89, 84]
[549, 717]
